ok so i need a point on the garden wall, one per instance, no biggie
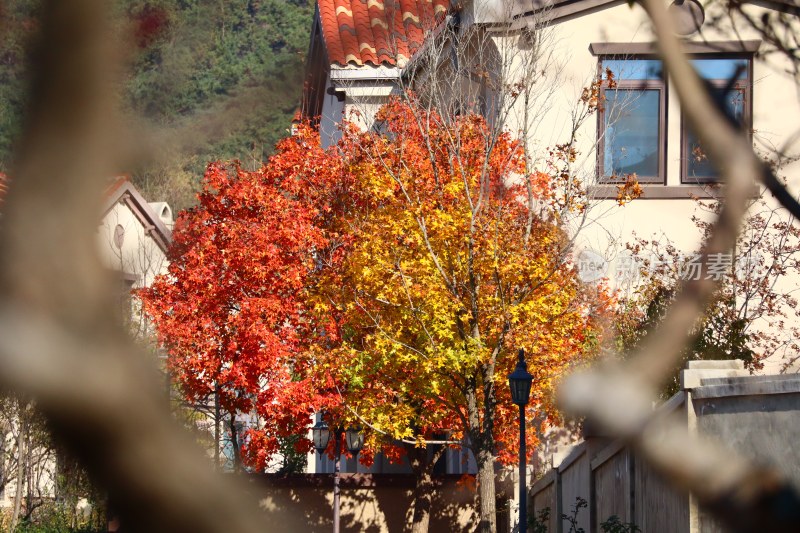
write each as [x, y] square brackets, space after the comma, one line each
[372, 503]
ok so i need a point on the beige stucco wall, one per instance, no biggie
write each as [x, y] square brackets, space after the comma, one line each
[608, 227]
[379, 504]
[776, 108]
[139, 256]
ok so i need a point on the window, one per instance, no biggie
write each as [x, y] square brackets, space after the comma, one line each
[634, 135]
[633, 121]
[736, 95]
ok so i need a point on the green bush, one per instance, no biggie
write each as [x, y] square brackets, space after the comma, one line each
[53, 517]
[539, 523]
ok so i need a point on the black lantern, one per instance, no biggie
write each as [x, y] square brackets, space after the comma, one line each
[321, 436]
[520, 381]
[355, 440]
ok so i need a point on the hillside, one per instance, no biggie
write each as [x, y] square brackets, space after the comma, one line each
[208, 79]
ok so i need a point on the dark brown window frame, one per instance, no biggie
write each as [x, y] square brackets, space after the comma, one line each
[714, 49]
[660, 85]
[746, 86]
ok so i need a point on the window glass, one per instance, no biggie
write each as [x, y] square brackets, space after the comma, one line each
[698, 167]
[631, 144]
[635, 69]
[721, 69]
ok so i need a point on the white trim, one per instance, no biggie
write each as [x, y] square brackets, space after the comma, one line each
[365, 73]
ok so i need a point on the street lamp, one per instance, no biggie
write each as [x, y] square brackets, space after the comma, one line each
[520, 383]
[354, 439]
[321, 436]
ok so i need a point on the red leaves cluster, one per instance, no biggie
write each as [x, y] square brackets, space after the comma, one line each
[231, 310]
[149, 25]
[281, 281]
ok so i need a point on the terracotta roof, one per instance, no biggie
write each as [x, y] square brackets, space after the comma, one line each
[376, 32]
[113, 184]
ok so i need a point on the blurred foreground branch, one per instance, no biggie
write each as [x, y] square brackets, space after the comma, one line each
[620, 396]
[58, 341]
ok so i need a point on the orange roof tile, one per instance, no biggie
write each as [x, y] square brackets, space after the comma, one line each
[113, 184]
[376, 32]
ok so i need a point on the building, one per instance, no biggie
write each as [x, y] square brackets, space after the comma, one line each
[354, 68]
[132, 236]
[133, 239]
[490, 51]
[361, 54]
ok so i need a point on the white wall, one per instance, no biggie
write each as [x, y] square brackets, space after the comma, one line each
[139, 255]
[776, 108]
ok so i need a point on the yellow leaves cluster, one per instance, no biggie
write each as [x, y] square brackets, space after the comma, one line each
[629, 190]
[447, 273]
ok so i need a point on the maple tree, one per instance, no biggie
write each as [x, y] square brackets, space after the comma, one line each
[230, 311]
[389, 280]
[441, 265]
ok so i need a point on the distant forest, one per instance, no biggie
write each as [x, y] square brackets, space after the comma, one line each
[206, 80]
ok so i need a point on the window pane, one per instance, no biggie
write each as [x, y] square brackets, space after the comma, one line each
[698, 167]
[720, 69]
[635, 69]
[631, 143]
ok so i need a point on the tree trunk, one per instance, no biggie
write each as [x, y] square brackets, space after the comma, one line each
[217, 427]
[422, 504]
[29, 481]
[482, 446]
[486, 492]
[237, 460]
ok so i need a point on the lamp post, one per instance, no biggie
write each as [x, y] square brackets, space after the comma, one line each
[520, 383]
[321, 435]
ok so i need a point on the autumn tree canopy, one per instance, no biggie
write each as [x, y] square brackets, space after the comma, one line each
[445, 272]
[444, 275]
[231, 309]
[389, 280]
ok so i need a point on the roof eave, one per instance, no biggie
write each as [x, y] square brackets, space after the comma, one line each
[131, 197]
[365, 72]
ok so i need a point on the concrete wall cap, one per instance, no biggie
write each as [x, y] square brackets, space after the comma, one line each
[750, 379]
[693, 378]
[747, 386]
[733, 364]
